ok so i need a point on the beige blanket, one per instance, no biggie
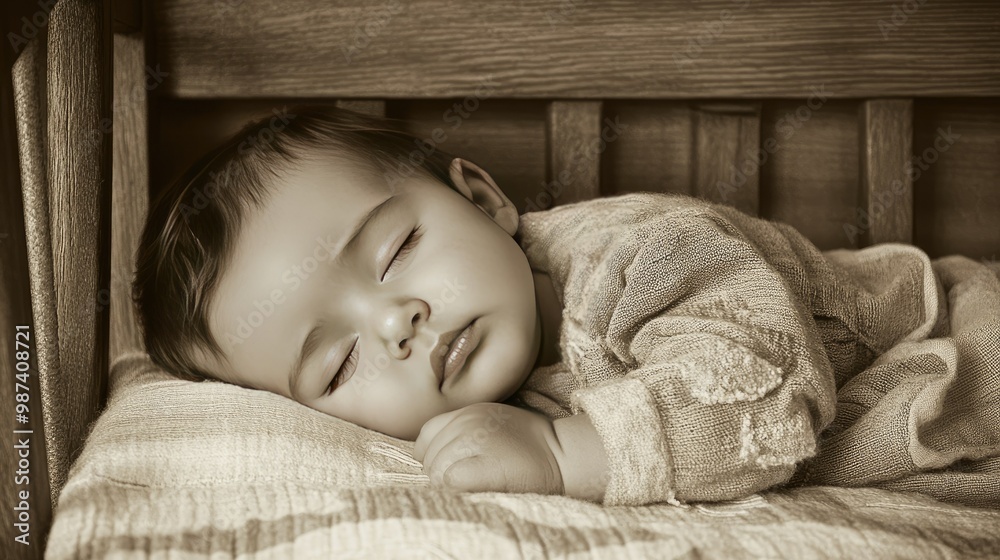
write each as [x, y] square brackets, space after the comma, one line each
[925, 416]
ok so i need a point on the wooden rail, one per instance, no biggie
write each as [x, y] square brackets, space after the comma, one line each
[565, 49]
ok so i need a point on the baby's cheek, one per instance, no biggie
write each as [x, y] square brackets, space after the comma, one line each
[403, 415]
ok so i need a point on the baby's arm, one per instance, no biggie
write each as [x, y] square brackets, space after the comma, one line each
[725, 383]
[581, 457]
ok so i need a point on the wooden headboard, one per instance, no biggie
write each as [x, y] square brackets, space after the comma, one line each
[858, 122]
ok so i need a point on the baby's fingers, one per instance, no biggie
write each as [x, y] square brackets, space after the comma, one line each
[424, 447]
[436, 464]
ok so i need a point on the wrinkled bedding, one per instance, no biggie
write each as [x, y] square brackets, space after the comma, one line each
[925, 415]
[279, 521]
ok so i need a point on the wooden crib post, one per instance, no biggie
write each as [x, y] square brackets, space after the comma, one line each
[574, 146]
[64, 125]
[28, 81]
[885, 138]
[727, 154]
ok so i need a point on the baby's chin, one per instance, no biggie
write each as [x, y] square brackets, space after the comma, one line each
[509, 394]
[458, 400]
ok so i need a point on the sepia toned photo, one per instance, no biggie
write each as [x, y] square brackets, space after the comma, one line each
[380, 279]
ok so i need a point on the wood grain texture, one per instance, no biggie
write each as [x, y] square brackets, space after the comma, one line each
[574, 144]
[564, 49]
[78, 170]
[130, 188]
[727, 154]
[654, 151]
[374, 107]
[810, 179]
[886, 190]
[26, 232]
[188, 129]
[956, 168]
[507, 138]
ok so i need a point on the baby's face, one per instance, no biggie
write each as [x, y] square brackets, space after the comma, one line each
[375, 308]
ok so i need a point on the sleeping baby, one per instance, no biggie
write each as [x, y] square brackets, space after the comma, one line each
[626, 350]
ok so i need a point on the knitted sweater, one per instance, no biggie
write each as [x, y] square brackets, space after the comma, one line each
[706, 345]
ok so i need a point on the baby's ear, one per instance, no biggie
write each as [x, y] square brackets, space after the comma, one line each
[475, 184]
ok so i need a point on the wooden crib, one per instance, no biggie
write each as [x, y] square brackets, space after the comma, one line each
[857, 122]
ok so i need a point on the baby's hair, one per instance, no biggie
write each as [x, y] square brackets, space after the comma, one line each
[192, 226]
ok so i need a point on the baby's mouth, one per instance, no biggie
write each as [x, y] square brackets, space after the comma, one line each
[452, 349]
[460, 350]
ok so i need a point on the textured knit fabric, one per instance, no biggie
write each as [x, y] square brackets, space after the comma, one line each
[708, 346]
[284, 521]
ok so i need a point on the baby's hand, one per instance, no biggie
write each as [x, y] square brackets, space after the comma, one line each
[490, 447]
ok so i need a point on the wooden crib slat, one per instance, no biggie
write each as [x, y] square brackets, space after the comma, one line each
[28, 75]
[956, 198]
[583, 50]
[885, 212]
[574, 145]
[727, 143]
[130, 188]
[373, 107]
[78, 169]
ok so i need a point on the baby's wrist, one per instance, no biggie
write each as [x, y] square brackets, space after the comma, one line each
[581, 458]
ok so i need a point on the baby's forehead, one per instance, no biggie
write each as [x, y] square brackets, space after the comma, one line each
[305, 188]
[340, 171]
[309, 216]
[348, 176]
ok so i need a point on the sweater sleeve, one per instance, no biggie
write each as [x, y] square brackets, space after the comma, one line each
[726, 385]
